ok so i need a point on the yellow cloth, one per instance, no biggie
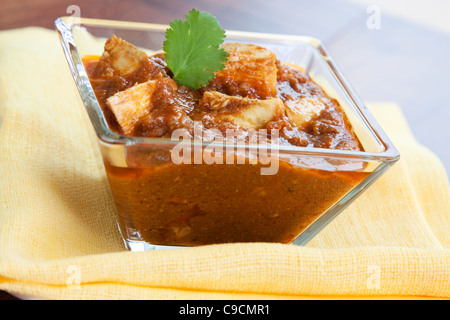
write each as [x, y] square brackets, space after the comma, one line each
[59, 240]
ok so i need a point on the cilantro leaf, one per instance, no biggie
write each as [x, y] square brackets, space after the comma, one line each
[192, 48]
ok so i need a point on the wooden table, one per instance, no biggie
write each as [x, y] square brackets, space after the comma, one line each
[401, 61]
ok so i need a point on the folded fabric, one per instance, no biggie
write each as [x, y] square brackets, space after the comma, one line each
[59, 239]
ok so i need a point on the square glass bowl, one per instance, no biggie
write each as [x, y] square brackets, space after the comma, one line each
[161, 204]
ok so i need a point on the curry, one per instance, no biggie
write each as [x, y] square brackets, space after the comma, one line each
[194, 204]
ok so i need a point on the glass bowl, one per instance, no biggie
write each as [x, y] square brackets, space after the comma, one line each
[163, 204]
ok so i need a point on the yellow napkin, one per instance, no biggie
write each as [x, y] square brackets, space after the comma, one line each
[59, 240]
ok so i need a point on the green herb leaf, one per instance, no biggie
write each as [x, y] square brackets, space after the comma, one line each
[192, 48]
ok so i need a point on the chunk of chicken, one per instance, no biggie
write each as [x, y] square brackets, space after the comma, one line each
[243, 112]
[132, 105]
[122, 56]
[250, 71]
[301, 111]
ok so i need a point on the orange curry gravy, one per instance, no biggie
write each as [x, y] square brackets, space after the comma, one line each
[195, 204]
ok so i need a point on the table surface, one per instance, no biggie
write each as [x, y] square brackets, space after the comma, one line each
[384, 56]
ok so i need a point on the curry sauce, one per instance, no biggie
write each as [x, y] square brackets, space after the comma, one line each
[195, 204]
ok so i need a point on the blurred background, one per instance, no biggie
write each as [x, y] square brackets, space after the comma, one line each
[396, 51]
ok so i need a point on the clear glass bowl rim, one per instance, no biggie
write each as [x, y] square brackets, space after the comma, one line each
[64, 27]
